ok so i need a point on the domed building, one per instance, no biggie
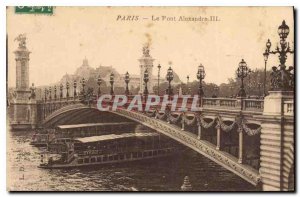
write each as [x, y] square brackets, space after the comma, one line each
[85, 70]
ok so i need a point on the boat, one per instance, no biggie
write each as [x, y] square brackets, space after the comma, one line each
[93, 129]
[44, 136]
[105, 149]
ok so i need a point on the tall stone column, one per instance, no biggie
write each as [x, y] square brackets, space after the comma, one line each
[218, 147]
[23, 101]
[146, 62]
[241, 147]
[22, 69]
[199, 131]
[277, 142]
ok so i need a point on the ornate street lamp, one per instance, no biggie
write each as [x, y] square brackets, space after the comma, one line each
[126, 82]
[61, 90]
[249, 82]
[158, 78]
[67, 86]
[187, 84]
[216, 88]
[46, 91]
[242, 72]
[111, 81]
[200, 76]
[146, 79]
[231, 90]
[50, 95]
[170, 77]
[283, 31]
[55, 90]
[99, 81]
[259, 89]
[282, 79]
[83, 85]
[75, 87]
[266, 56]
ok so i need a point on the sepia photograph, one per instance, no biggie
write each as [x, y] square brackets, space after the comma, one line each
[150, 99]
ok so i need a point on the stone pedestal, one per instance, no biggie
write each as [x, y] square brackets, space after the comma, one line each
[273, 103]
[277, 142]
[25, 114]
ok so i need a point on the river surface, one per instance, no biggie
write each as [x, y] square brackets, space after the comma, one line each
[164, 174]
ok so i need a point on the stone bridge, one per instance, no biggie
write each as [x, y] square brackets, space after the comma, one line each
[252, 138]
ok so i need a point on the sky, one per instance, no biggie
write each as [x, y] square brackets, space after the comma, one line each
[59, 42]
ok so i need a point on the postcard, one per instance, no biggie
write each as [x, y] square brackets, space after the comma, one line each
[150, 99]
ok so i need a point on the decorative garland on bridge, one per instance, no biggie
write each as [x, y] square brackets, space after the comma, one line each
[223, 126]
[205, 124]
[249, 131]
[174, 119]
[160, 115]
[188, 121]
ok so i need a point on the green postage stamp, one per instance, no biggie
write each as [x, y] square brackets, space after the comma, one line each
[34, 9]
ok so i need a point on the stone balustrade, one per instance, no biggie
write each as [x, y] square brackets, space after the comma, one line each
[256, 105]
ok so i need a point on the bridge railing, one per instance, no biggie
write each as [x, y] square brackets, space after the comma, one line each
[232, 103]
[253, 105]
[60, 100]
[256, 105]
[219, 103]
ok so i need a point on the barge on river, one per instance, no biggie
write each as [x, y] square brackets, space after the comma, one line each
[106, 149]
[44, 136]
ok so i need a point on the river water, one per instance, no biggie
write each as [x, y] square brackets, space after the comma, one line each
[164, 174]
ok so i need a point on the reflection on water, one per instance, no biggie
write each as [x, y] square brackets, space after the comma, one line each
[164, 174]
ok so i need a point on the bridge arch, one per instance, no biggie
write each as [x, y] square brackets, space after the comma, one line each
[186, 138]
[79, 114]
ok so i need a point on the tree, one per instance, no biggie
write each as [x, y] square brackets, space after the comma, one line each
[253, 86]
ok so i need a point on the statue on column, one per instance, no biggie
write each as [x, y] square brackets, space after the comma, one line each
[33, 95]
[282, 78]
[22, 40]
[146, 50]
